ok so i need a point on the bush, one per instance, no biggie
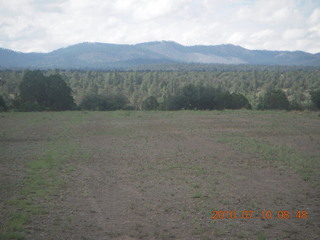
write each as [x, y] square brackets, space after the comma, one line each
[27, 106]
[206, 98]
[117, 102]
[150, 103]
[103, 103]
[274, 100]
[94, 102]
[236, 101]
[315, 98]
[294, 105]
[3, 105]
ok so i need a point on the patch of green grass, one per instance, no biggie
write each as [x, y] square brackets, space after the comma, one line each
[43, 174]
[42, 180]
[197, 195]
[15, 225]
[277, 155]
[12, 235]
[71, 168]
[69, 218]
[261, 236]
[184, 215]
[195, 185]
[18, 220]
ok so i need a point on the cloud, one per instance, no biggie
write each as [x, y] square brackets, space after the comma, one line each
[236, 37]
[45, 25]
[148, 10]
[315, 17]
[262, 35]
[294, 34]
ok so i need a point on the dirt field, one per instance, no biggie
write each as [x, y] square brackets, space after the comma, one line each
[160, 175]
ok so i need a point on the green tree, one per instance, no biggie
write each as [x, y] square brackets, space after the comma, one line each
[274, 99]
[3, 105]
[150, 103]
[236, 101]
[189, 97]
[206, 98]
[315, 98]
[117, 102]
[58, 94]
[103, 103]
[38, 92]
[94, 102]
[33, 88]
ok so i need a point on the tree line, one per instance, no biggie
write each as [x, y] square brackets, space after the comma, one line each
[64, 90]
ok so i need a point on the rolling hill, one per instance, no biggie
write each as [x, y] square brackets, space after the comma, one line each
[122, 56]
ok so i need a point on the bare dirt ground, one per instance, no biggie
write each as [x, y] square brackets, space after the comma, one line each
[159, 175]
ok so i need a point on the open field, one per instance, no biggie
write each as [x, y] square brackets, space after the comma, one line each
[159, 175]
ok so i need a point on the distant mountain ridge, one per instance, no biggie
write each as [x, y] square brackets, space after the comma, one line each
[106, 56]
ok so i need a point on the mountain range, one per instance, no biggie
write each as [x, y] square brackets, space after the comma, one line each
[120, 56]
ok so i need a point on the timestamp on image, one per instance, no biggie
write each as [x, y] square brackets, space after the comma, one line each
[250, 214]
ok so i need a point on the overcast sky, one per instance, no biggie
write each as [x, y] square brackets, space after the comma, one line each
[46, 25]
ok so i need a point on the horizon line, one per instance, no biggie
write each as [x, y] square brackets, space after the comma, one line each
[157, 41]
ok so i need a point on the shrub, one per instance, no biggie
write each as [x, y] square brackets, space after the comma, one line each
[206, 98]
[274, 100]
[150, 103]
[315, 98]
[236, 101]
[3, 105]
[103, 103]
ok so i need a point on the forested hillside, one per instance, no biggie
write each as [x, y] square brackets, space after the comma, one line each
[137, 86]
[104, 56]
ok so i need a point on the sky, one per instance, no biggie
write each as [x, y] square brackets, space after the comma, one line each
[46, 25]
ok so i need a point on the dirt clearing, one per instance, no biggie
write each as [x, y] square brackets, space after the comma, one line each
[160, 175]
